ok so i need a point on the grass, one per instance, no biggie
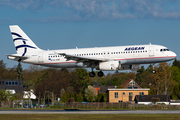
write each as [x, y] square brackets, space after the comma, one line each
[90, 116]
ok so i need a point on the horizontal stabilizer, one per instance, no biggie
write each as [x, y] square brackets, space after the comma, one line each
[17, 57]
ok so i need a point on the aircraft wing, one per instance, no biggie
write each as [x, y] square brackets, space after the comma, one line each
[83, 58]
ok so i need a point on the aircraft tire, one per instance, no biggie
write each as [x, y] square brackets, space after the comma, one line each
[100, 73]
[92, 74]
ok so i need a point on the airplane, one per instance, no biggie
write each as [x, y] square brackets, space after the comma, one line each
[99, 58]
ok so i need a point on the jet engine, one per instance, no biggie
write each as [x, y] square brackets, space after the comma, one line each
[108, 66]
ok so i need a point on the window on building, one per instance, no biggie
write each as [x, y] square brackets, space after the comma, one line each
[130, 94]
[16, 83]
[141, 93]
[9, 82]
[6, 83]
[0, 82]
[116, 95]
[20, 83]
[12, 82]
[132, 84]
[123, 93]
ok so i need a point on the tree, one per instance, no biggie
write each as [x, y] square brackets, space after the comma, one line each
[163, 79]
[7, 73]
[65, 97]
[3, 95]
[90, 93]
[176, 63]
[101, 97]
[79, 97]
[19, 71]
[115, 81]
[155, 100]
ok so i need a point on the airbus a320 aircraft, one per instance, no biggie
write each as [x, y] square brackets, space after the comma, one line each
[100, 58]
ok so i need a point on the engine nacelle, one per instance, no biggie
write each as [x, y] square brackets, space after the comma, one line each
[107, 66]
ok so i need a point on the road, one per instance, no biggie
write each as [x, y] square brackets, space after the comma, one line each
[26, 111]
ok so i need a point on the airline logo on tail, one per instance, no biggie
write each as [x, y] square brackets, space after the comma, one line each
[24, 45]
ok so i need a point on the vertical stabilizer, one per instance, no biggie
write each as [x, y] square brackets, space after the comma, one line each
[22, 42]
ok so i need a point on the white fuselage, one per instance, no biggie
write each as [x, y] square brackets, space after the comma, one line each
[127, 55]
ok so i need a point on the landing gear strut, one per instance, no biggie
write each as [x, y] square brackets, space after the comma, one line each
[154, 71]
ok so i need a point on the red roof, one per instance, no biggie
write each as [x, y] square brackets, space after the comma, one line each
[126, 84]
[97, 89]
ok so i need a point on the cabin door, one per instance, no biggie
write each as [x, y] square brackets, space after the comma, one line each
[40, 57]
[151, 51]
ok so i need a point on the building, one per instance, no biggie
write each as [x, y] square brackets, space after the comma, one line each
[127, 93]
[146, 99]
[12, 85]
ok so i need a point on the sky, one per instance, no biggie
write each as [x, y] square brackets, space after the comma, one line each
[64, 24]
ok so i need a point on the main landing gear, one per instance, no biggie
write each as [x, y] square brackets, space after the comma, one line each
[92, 74]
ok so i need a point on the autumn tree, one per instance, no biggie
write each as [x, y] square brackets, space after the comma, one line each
[163, 79]
[90, 93]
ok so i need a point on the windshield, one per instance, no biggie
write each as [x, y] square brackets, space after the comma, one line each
[164, 50]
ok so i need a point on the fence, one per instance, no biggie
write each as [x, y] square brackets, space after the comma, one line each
[94, 106]
[120, 105]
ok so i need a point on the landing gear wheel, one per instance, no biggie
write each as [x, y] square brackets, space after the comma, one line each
[154, 71]
[100, 73]
[92, 74]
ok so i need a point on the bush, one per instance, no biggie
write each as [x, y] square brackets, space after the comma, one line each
[155, 99]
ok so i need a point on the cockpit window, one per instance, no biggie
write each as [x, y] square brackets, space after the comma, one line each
[164, 50]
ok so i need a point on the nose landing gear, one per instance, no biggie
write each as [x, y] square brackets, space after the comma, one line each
[154, 71]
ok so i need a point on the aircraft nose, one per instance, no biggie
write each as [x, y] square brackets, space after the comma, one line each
[174, 55]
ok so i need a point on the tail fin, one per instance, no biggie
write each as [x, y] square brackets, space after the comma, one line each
[22, 42]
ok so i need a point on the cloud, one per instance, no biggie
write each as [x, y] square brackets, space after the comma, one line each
[97, 10]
